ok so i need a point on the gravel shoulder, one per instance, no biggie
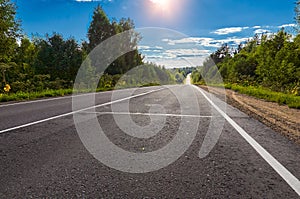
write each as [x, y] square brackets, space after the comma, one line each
[280, 118]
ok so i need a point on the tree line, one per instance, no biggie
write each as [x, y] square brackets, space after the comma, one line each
[52, 62]
[271, 61]
[267, 60]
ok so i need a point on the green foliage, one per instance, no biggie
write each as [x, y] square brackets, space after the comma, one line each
[297, 14]
[101, 28]
[289, 99]
[9, 32]
[145, 75]
[180, 74]
[58, 57]
[269, 62]
[33, 95]
[46, 67]
[196, 76]
[278, 61]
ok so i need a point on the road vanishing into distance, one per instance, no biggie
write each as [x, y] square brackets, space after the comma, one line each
[222, 153]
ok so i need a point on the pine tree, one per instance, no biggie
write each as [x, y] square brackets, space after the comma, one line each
[100, 28]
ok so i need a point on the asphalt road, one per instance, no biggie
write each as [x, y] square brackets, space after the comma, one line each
[47, 151]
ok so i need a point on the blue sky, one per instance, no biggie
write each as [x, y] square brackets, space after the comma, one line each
[203, 24]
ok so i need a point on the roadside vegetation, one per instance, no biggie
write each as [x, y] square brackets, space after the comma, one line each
[46, 66]
[267, 67]
[293, 101]
[33, 95]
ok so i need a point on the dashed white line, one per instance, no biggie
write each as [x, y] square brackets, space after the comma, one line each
[275, 164]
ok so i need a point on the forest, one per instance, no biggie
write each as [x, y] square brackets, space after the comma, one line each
[270, 61]
[48, 65]
[266, 65]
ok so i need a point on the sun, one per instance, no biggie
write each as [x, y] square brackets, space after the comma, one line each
[165, 9]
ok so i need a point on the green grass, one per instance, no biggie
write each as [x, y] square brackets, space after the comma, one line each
[291, 100]
[150, 84]
[19, 96]
[22, 96]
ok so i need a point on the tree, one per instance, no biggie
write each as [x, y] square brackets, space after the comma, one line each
[9, 32]
[58, 57]
[25, 56]
[100, 28]
[268, 68]
[297, 14]
[220, 54]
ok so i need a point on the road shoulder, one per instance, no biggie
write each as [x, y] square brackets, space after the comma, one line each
[280, 118]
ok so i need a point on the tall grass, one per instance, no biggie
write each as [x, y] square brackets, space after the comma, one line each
[291, 100]
[21, 96]
[34, 95]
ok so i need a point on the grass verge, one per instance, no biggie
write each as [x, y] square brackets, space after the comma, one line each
[19, 96]
[22, 96]
[291, 100]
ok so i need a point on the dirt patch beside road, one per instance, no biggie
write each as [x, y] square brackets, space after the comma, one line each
[281, 118]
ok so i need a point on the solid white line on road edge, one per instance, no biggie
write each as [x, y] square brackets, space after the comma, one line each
[148, 114]
[58, 98]
[71, 113]
[277, 166]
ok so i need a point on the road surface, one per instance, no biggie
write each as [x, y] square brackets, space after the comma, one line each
[42, 155]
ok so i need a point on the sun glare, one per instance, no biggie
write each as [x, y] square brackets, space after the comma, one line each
[165, 8]
[161, 4]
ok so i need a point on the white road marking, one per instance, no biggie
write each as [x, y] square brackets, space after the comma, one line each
[148, 114]
[71, 113]
[277, 166]
[44, 100]
[57, 98]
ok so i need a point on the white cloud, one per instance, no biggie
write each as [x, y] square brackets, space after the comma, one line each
[150, 50]
[226, 31]
[188, 40]
[234, 40]
[207, 42]
[147, 49]
[256, 27]
[287, 25]
[179, 62]
[153, 57]
[260, 31]
[143, 47]
[187, 52]
[179, 57]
